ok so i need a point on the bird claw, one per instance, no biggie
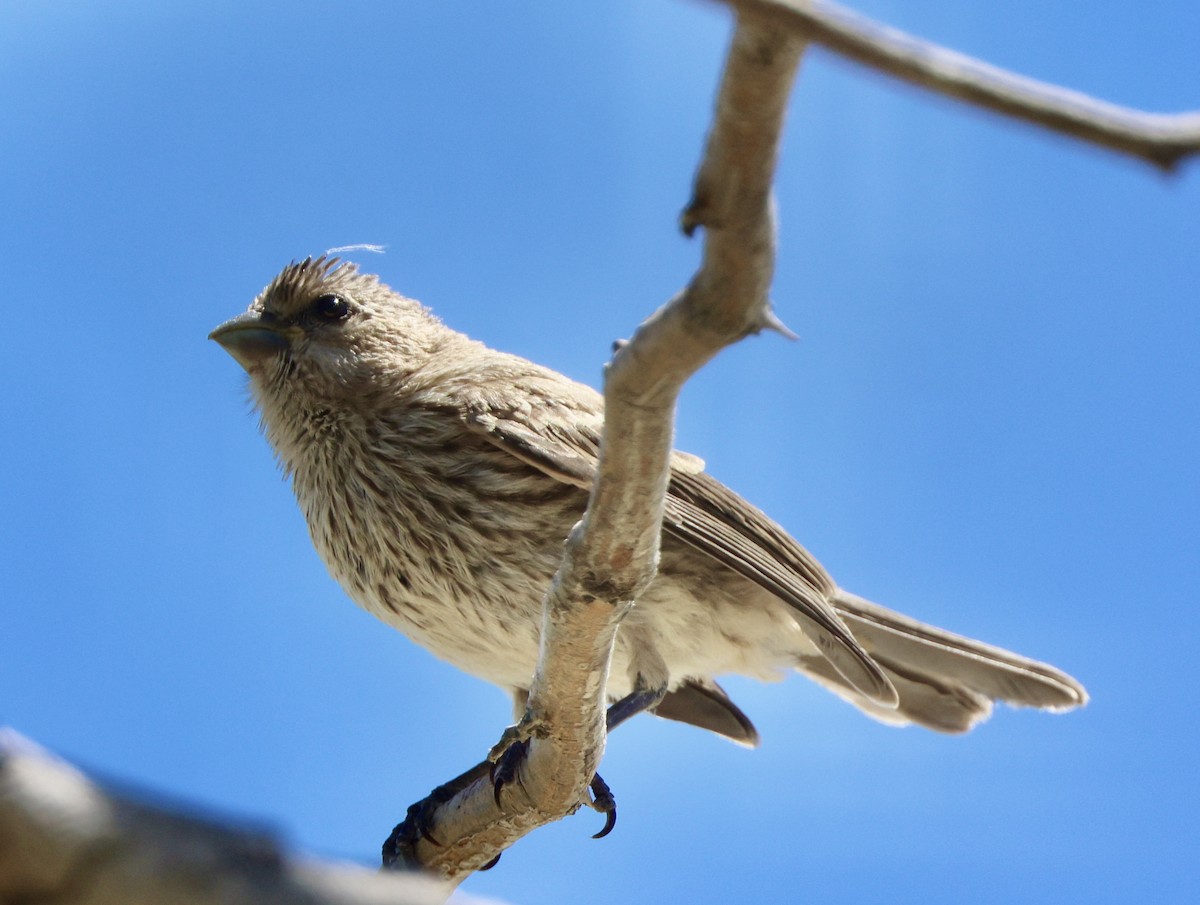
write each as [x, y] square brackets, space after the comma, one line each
[400, 849]
[521, 731]
[504, 768]
[506, 755]
[605, 803]
[602, 800]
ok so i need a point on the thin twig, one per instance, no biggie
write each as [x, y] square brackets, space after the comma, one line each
[1161, 139]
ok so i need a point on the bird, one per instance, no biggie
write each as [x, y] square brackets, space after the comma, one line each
[439, 479]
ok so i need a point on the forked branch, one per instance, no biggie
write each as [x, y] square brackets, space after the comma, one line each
[612, 553]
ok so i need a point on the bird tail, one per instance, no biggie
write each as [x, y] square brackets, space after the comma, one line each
[945, 681]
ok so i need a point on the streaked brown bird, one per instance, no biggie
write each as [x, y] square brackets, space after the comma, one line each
[439, 479]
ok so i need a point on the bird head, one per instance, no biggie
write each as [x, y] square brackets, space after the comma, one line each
[322, 329]
[325, 348]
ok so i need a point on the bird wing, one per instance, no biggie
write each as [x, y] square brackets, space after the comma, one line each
[562, 440]
[703, 512]
[871, 655]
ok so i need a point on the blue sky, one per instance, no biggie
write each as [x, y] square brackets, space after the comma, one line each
[990, 422]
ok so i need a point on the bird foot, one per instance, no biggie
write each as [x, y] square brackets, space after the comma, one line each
[505, 771]
[520, 732]
[603, 802]
[505, 768]
[400, 848]
[399, 851]
[502, 767]
[506, 755]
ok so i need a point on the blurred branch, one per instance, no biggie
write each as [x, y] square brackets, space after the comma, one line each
[612, 554]
[65, 840]
[1161, 139]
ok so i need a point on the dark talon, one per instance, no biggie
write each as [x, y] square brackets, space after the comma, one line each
[400, 849]
[397, 849]
[492, 863]
[610, 821]
[605, 802]
[419, 818]
[504, 771]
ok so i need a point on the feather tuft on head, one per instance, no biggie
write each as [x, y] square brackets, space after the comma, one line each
[300, 282]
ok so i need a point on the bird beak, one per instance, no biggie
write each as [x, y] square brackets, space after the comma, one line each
[250, 339]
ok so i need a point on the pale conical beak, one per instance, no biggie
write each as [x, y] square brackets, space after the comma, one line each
[250, 339]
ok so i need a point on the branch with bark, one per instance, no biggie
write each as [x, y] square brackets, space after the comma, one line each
[612, 553]
[65, 839]
[60, 835]
[1160, 139]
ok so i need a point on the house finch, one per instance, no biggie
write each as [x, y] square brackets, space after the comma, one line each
[439, 479]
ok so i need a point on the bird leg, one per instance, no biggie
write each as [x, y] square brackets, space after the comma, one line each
[507, 754]
[643, 697]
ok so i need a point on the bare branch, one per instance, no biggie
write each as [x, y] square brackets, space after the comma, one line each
[63, 839]
[612, 554]
[1161, 139]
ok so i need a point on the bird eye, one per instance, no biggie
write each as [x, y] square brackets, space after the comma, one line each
[331, 308]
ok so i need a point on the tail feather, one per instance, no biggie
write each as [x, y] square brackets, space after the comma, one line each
[945, 681]
[704, 703]
[924, 700]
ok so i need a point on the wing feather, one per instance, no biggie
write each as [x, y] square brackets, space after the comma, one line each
[705, 514]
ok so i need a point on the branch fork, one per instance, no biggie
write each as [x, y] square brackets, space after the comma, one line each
[612, 553]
